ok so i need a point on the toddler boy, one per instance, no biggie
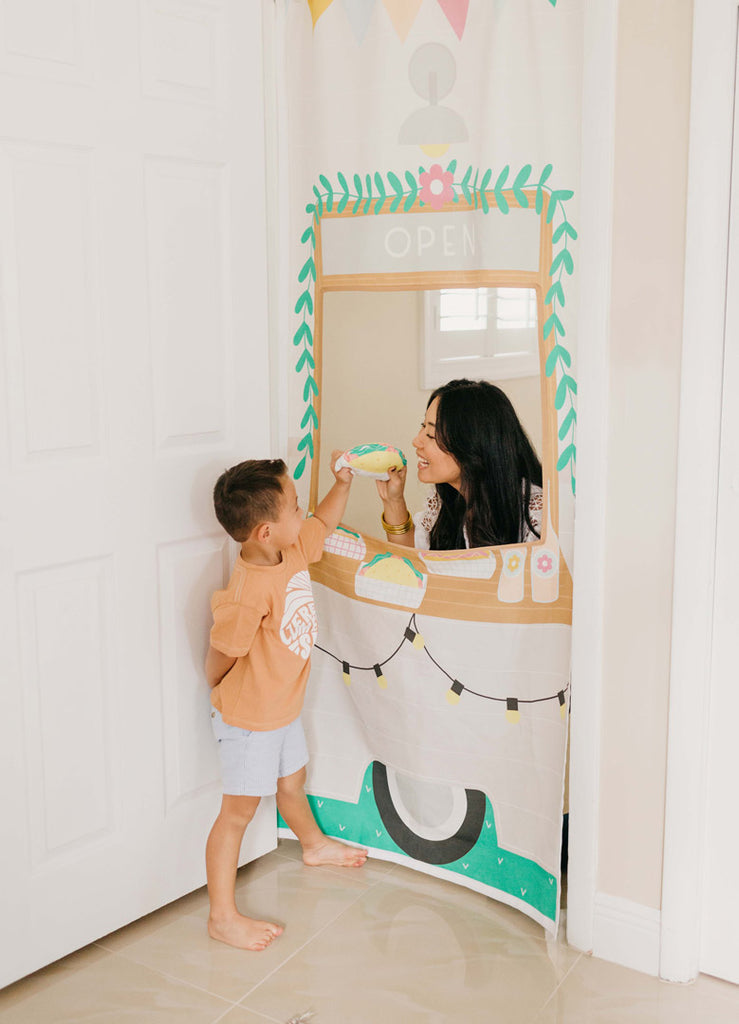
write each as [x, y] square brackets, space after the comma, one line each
[264, 626]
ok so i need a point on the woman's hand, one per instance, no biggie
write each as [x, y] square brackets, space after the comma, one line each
[395, 511]
[391, 491]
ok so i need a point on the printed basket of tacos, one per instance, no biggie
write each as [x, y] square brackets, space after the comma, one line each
[391, 579]
[475, 563]
[346, 543]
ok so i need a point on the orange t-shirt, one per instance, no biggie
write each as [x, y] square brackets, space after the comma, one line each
[266, 619]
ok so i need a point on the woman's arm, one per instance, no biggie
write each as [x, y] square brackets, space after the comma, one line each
[394, 509]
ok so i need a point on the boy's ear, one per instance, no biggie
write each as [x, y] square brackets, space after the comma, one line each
[262, 533]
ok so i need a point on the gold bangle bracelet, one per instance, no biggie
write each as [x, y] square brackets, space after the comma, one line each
[401, 528]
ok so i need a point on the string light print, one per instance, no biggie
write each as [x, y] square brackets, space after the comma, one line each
[413, 636]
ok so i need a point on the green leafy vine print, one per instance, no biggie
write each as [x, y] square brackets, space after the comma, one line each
[433, 187]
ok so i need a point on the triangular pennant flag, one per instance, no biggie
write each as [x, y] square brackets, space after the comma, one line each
[359, 13]
[456, 12]
[402, 14]
[317, 7]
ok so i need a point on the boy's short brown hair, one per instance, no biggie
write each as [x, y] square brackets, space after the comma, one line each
[249, 494]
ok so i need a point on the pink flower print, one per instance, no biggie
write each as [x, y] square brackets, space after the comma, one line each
[544, 564]
[436, 186]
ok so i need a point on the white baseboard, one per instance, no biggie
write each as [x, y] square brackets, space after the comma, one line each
[626, 933]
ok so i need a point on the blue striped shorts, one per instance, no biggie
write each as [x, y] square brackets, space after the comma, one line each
[252, 762]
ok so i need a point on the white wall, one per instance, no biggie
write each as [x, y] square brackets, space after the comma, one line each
[652, 109]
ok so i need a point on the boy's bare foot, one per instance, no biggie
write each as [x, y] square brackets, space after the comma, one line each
[243, 932]
[330, 851]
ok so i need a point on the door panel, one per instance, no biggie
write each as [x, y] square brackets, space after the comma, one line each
[134, 368]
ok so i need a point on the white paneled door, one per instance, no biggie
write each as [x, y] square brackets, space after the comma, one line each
[720, 891]
[134, 368]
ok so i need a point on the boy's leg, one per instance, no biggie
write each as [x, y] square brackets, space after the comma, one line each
[293, 805]
[225, 923]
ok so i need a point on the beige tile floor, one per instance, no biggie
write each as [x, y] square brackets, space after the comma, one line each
[382, 945]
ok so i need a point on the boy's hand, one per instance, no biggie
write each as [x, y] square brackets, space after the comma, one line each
[332, 508]
[216, 666]
[344, 475]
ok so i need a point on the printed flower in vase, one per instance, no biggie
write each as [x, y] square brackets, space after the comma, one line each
[544, 564]
[436, 186]
[513, 563]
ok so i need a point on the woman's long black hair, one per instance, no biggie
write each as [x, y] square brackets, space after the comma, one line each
[478, 426]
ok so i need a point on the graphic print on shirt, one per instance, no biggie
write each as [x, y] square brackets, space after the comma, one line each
[299, 627]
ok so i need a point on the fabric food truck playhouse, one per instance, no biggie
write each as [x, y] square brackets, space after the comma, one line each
[436, 710]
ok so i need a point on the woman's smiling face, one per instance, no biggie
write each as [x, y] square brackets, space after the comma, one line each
[434, 465]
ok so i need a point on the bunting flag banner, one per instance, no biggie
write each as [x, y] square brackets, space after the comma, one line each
[402, 14]
[431, 194]
[317, 7]
[456, 12]
[359, 14]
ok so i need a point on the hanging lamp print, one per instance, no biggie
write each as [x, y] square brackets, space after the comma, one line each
[435, 126]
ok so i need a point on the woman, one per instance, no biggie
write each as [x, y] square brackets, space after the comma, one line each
[487, 476]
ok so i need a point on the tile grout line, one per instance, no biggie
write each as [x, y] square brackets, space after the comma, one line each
[170, 977]
[307, 942]
[315, 935]
[264, 1016]
[369, 887]
[333, 920]
[121, 954]
[338, 870]
[557, 987]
